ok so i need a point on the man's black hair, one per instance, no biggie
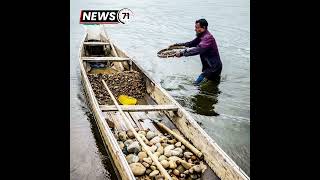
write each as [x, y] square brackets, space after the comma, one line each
[203, 23]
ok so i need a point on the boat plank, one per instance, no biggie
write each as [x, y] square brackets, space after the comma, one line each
[116, 123]
[144, 121]
[119, 122]
[114, 59]
[118, 118]
[135, 108]
[95, 43]
[133, 122]
[118, 65]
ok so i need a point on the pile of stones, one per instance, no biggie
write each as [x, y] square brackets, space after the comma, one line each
[178, 161]
[130, 83]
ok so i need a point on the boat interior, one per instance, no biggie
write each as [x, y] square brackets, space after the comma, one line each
[100, 53]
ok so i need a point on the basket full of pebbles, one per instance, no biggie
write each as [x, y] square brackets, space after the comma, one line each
[170, 51]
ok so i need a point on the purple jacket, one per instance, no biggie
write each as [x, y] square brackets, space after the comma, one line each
[206, 46]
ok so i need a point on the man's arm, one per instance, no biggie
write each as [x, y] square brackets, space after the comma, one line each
[192, 43]
[203, 46]
[191, 51]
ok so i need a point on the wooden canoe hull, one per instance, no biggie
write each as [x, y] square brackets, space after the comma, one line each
[119, 161]
[224, 167]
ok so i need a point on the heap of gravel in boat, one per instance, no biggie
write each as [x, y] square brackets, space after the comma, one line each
[128, 83]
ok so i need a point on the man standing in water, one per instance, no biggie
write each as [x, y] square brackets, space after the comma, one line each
[205, 45]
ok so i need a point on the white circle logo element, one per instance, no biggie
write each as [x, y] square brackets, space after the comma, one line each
[124, 15]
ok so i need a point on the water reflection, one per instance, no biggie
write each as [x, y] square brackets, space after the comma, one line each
[103, 152]
[204, 101]
[105, 156]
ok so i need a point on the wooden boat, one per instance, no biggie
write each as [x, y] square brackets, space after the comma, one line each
[159, 104]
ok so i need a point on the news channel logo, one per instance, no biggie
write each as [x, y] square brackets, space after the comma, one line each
[122, 16]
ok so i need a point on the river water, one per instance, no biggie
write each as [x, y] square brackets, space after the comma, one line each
[223, 112]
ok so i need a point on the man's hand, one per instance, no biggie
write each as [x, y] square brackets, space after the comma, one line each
[178, 54]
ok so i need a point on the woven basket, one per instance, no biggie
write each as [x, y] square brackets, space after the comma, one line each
[170, 52]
